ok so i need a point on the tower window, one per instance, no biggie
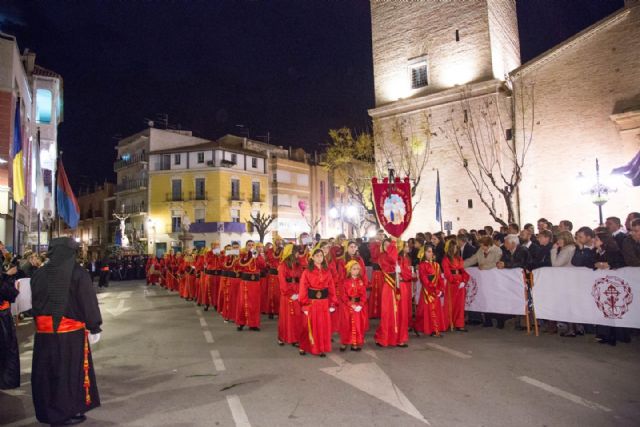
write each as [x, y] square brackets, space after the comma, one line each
[457, 35]
[470, 203]
[419, 72]
[508, 134]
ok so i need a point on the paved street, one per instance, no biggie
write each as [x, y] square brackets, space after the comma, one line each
[163, 361]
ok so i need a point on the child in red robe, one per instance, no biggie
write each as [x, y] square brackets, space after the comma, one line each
[354, 320]
[429, 314]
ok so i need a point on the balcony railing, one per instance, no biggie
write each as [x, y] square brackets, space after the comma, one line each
[174, 197]
[198, 195]
[257, 199]
[132, 160]
[132, 209]
[134, 184]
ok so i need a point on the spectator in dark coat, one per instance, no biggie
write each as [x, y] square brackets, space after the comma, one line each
[631, 245]
[585, 253]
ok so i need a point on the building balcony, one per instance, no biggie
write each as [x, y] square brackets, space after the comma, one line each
[198, 195]
[174, 197]
[132, 160]
[140, 209]
[133, 185]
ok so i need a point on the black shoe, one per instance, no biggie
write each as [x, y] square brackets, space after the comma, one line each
[379, 345]
[302, 353]
[206, 308]
[295, 344]
[271, 316]
[323, 355]
[462, 330]
[500, 324]
[280, 343]
[241, 327]
[403, 345]
[344, 347]
[255, 328]
[416, 332]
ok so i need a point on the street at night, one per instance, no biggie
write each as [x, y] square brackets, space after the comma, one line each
[165, 362]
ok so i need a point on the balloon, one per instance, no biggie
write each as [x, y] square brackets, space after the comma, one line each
[302, 205]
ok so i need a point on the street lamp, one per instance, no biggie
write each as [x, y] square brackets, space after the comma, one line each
[341, 211]
[599, 191]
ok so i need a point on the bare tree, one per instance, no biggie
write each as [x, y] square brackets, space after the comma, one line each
[261, 223]
[491, 137]
[404, 145]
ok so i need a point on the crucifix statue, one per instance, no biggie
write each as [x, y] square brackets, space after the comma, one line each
[123, 217]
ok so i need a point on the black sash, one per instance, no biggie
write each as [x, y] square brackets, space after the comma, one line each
[251, 277]
[318, 293]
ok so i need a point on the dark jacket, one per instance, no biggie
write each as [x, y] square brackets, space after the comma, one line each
[612, 257]
[631, 252]
[520, 258]
[584, 257]
[540, 255]
[468, 251]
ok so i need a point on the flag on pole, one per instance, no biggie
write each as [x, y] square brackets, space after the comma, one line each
[66, 202]
[18, 164]
[631, 170]
[39, 184]
[438, 202]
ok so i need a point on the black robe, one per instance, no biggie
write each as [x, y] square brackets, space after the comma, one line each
[9, 355]
[57, 376]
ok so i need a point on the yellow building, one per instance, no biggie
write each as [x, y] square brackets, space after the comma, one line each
[204, 193]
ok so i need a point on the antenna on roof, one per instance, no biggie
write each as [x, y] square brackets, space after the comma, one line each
[244, 129]
[163, 118]
[266, 138]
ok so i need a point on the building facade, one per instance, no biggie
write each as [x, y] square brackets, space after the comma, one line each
[204, 193]
[132, 177]
[428, 59]
[437, 63]
[37, 92]
[96, 229]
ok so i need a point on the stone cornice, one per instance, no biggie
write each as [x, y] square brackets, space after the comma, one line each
[454, 94]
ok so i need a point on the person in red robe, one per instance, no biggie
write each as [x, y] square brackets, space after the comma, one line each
[233, 284]
[405, 304]
[153, 272]
[430, 317]
[248, 306]
[289, 317]
[225, 267]
[317, 299]
[271, 298]
[198, 266]
[456, 277]
[377, 276]
[355, 320]
[208, 279]
[332, 265]
[390, 332]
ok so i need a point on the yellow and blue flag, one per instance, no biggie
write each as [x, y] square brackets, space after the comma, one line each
[17, 162]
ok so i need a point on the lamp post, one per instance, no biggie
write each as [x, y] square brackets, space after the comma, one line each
[344, 210]
[599, 191]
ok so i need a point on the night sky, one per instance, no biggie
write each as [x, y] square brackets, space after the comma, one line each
[291, 68]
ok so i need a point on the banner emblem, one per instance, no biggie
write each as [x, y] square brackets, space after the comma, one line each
[392, 202]
[471, 289]
[613, 296]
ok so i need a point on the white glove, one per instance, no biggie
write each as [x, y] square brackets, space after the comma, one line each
[94, 338]
[294, 297]
[461, 285]
[357, 308]
[332, 309]
[306, 313]
[439, 294]
[398, 269]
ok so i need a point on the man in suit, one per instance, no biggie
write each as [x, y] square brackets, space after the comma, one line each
[466, 248]
[585, 253]
[541, 252]
[631, 245]
[517, 256]
[614, 226]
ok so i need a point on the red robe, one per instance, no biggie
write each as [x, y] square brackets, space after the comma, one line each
[377, 282]
[231, 291]
[207, 280]
[271, 295]
[455, 274]
[154, 272]
[248, 303]
[333, 267]
[353, 325]
[429, 314]
[315, 336]
[393, 327]
[289, 317]
[198, 265]
[226, 263]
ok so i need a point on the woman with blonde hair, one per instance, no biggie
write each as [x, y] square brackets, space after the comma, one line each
[289, 317]
[563, 250]
[457, 277]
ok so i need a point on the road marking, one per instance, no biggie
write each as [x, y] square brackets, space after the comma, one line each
[208, 337]
[125, 294]
[149, 293]
[237, 411]
[103, 295]
[449, 350]
[203, 322]
[19, 423]
[217, 360]
[198, 312]
[371, 353]
[565, 394]
[371, 379]
[115, 312]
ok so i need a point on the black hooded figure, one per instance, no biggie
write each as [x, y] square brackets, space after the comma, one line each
[65, 310]
[9, 356]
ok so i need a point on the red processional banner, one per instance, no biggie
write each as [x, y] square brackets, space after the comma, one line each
[392, 204]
